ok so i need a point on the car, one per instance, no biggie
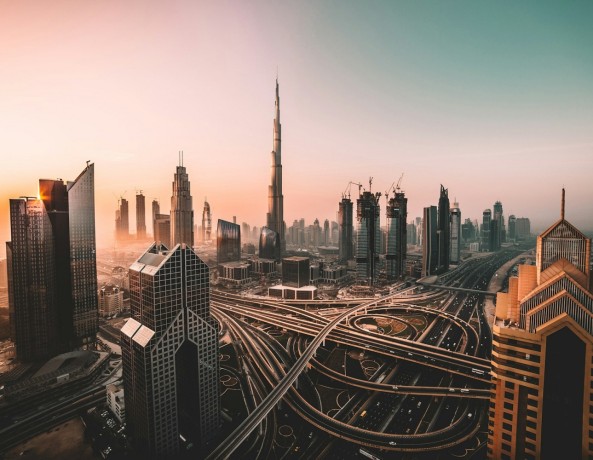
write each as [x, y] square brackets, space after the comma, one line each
[392, 443]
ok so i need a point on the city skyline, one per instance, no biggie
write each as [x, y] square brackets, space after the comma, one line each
[496, 102]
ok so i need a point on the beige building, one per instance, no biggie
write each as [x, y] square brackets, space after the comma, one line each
[115, 401]
[541, 404]
[111, 300]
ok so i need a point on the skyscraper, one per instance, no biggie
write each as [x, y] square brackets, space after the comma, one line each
[512, 227]
[170, 353]
[206, 223]
[455, 233]
[162, 229]
[486, 224]
[326, 240]
[269, 244]
[443, 230]
[156, 209]
[122, 220]
[345, 229]
[397, 215]
[499, 236]
[182, 211]
[368, 238]
[275, 216]
[542, 386]
[429, 241]
[140, 216]
[228, 242]
[52, 268]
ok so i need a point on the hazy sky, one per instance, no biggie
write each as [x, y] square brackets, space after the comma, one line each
[492, 99]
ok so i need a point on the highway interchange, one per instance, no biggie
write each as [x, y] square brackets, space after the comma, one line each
[424, 390]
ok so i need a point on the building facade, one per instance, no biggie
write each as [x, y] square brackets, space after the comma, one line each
[542, 358]
[170, 353]
[206, 222]
[182, 211]
[429, 241]
[397, 240]
[140, 216]
[295, 271]
[122, 220]
[275, 216]
[52, 269]
[368, 237]
[455, 233]
[444, 231]
[486, 226]
[228, 242]
[111, 300]
[345, 229]
[269, 244]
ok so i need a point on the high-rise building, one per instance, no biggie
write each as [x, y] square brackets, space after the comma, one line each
[140, 216]
[182, 211]
[468, 231]
[499, 236]
[512, 227]
[368, 238]
[296, 271]
[486, 225]
[316, 234]
[228, 242]
[522, 228]
[455, 233]
[162, 229]
[542, 358]
[346, 229]
[156, 209]
[52, 268]
[411, 233]
[430, 252]
[122, 220]
[3, 274]
[397, 215]
[170, 353]
[206, 222]
[334, 233]
[326, 239]
[269, 244]
[443, 230]
[275, 216]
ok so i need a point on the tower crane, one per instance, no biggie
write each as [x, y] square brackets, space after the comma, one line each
[347, 191]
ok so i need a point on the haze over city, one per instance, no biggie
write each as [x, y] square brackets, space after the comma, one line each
[494, 101]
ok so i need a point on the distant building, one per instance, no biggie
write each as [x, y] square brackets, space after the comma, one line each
[468, 231]
[156, 209]
[111, 300]
[122, 220]
[295, 271]
[115, 401]
[522, 228]
[500, 236]
[455, 233]
[170, 354]
[368, 241]
[269, 244]
[345, 230]
[162, 229]
[140, 216]
[429, 241]
[411, 234]
[486, 225]
[397, 215]
[542, 372]
[333, 274]
[228, 242]
[235, 272]
[443, 230]
[52, 269]
[264, 267]
[512, 228]
[182, 211]
[206, 223]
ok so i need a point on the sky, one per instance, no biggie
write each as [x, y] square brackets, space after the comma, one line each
[494, 100]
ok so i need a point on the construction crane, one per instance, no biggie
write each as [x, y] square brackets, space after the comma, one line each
[347, 191]
[396, 189]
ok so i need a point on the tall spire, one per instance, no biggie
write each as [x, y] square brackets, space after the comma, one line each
[275, 216]
[562, 205]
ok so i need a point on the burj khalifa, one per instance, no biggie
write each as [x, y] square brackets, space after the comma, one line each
[275, 216]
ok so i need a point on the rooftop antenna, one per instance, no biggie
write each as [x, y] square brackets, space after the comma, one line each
[562, 205]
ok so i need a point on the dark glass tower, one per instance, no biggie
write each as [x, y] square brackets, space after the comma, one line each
[140, 216]
[122, 220]
[429, 241]
[345, 229]
[228, 242]
[368, 237]
[444, 230]
[397, 214]
[486, 225]
[269, 244]
[52, 268]
[170, 353]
